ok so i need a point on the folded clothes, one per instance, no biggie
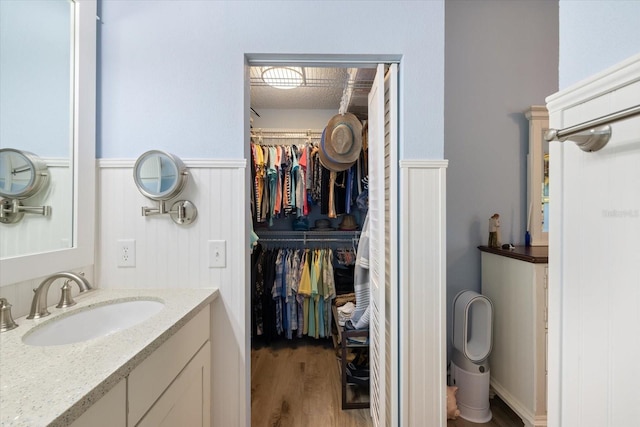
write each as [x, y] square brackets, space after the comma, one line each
[344, 312]
[347, 308]
[342, 299]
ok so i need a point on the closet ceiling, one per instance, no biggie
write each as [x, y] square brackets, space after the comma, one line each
[322, 88]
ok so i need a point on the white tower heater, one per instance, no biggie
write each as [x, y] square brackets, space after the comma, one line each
[472, 340]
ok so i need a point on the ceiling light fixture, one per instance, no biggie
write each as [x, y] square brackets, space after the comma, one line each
[283, 77]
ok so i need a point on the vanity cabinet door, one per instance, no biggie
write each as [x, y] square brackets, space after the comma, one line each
[187, 401]
[152, 379]
[109, 411]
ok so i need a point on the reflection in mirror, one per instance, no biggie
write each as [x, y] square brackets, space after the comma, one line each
[22, 174]
[159, 175]
[36, 115]
[545, 189]
[538, 176]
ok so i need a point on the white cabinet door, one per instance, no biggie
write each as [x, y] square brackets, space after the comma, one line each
[109, 411]
[157, 372]
[187, 401]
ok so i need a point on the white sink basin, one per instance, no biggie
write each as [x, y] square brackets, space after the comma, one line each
[93, 322]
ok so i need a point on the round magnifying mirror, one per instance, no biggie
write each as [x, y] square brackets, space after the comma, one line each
[22, 174]
[159, 175]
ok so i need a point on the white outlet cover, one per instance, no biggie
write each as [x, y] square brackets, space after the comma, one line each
[126, 253]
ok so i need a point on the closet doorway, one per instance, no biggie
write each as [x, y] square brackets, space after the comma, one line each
[308, 97]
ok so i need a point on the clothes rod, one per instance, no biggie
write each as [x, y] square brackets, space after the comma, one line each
[349, 239]
[591, 135]
[301, 132]
[283, 136]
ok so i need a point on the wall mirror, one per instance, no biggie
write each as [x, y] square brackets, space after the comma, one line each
[538, 176]
[36, 116]
[47, 106]
[159, 175]
[162, 176]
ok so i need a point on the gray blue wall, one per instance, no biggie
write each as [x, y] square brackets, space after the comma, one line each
[500, 58]
[173, 72]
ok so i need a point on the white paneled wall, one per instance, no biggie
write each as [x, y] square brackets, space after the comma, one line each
[168, 255]
[594, 284]
[173, 256]
[422, 293]
[37, 233]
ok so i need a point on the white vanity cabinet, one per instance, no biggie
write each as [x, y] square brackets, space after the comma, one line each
[156, 372]
[516, 283]
[109, 411]
[173, 385]
[186, 402]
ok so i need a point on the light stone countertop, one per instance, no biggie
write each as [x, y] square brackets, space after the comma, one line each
[54, 385]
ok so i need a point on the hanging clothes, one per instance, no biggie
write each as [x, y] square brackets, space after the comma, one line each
[287, 179]
[292, 293]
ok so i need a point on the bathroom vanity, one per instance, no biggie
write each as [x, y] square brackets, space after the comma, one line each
[150, 374]
[516, 283]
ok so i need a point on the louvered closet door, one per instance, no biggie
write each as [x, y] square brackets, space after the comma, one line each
[391, 245]
[383, 142]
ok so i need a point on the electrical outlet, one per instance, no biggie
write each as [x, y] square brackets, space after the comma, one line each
[217, 254]
[127, 253]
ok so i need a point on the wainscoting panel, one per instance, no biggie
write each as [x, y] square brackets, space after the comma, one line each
[37, 233]
[422, 293]
[594, 284]
[173, 256]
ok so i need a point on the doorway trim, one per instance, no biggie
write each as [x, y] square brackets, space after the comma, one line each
[358, 61]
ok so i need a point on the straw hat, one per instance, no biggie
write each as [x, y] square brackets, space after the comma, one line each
[341, 143]
[348, 223]
[328, 164]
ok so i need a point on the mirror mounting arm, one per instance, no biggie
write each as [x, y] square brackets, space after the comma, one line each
[182, 212]
[160, 210]
[12, 211]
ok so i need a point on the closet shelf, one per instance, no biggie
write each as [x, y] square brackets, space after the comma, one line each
[342, 336]
[346, 233]
[274, 133]
[308, 236]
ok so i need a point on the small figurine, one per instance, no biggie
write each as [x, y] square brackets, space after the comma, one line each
[494, 231]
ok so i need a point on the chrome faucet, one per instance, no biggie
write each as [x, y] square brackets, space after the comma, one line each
[6, 320]
[39, 302]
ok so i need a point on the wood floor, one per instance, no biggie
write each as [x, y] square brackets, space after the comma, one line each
[503, 416]
[297, 383]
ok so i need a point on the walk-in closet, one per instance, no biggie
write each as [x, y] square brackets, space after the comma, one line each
[310, 200]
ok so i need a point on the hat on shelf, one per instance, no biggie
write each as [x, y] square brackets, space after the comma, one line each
[322, 225]
[348, 223]
[341, 142]
[300, 224]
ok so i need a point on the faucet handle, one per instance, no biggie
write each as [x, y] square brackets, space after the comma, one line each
[6, 320]
[66, 299]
